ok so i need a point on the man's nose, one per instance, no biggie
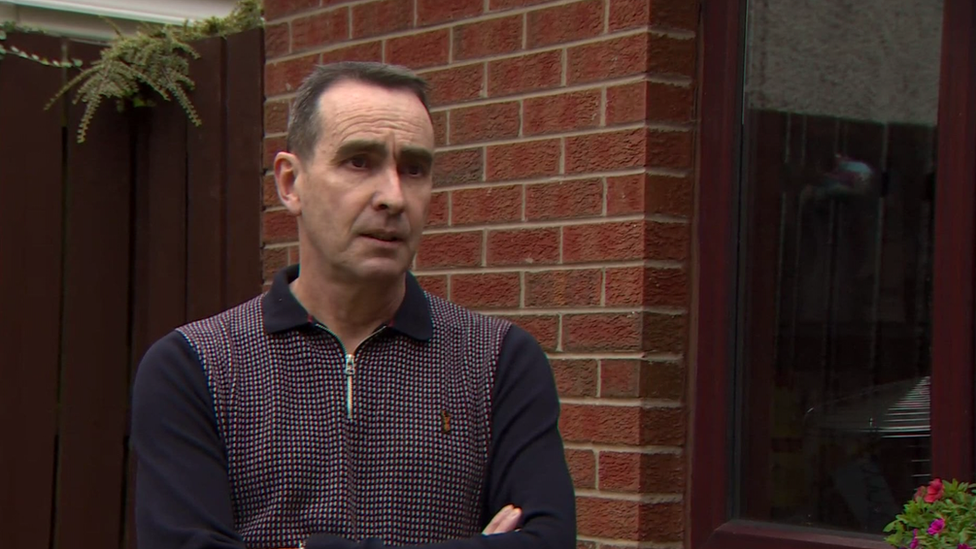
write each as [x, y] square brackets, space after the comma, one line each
[389, 194]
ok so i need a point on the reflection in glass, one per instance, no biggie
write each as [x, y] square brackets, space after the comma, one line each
[834, 324]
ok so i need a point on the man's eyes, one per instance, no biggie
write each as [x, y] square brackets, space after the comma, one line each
[415, 170]
[410, 169]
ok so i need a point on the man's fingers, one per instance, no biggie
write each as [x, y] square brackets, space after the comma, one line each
[509, 523]
[504, 521]
[490, 529]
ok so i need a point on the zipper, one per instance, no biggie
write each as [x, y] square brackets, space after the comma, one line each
[350, 366]
[350, 372]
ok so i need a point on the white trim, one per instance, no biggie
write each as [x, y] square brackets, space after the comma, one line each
[172, 11]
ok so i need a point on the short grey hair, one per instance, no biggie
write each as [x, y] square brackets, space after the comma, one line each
[304, 123]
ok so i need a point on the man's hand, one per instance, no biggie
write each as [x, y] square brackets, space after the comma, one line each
[505, 521]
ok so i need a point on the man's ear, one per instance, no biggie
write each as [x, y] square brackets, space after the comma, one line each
[288, 180]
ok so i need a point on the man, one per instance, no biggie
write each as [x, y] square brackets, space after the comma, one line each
[346, 407]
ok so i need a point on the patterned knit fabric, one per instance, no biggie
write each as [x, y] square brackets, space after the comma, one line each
[407, 467]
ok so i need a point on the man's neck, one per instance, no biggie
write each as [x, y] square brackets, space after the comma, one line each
[351, 311]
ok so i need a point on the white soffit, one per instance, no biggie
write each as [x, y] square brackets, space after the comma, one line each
[155, 11]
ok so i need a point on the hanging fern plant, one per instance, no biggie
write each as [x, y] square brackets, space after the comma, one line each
[152, 63]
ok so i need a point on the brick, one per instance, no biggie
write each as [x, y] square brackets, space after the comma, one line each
[279, 226]
[523, 160]
[665, 380]
[626, 194]
[587, 545]
[664, 333]
[670, 149]
[666, 287]
[606, 151]
[652, 194]
[270, 192]
[434, 284]
[276, 117]
[564, 200]
[601, 424]
[438, 212]
[602, 332]
[486, 291]
[667, 241]
[381, 17]
[285, 76]
[523, 247]
[560, 113]
[368, 51]
[485, 122]
[566, 23]
[633, 472]
[490, 204]
[272, 146]
[491, 37]
[496, 5]
[667, 55]
[620, 378]
[615, 241]
[577, 288]
[664, 14]
[582, 467]
[526, 73]
[277, 40]
[282, 8]
[611, 58]
[625, 287]
[418, 51]
[456, 84]
[669, 102]
[663, 426]
[320, 29]
[630, 520]
[544, 328]
[450, 250]
[439, 121]
[431, 12]
[625, 378]
[627, 103]
[273, 260]
[575, 378]
[458, 167]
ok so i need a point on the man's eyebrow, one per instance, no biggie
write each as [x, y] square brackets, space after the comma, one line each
[359, 146]
[422, 154]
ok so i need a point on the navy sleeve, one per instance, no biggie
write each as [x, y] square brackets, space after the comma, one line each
[182, 497]
[527, 463]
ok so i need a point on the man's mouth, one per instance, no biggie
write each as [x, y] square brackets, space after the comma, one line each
[384, 237]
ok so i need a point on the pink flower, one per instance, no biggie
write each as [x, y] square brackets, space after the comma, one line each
[963, 546]
[914, 544]
[934, 491]
[936, 527]
[920, 493]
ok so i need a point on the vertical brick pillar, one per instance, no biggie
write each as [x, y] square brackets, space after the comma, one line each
[563, 199]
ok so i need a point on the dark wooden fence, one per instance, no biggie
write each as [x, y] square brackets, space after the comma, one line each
[104, 247]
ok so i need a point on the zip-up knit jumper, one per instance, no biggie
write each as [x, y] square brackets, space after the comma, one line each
[397, 444]
[326, 442]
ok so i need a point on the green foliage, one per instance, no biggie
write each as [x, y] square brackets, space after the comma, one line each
[153, 62]
[940, 516]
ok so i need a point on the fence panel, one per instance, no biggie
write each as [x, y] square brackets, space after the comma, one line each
[105, 247]
[95, 326]
[30, 275]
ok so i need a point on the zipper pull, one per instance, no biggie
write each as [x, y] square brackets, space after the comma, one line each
[350, 372]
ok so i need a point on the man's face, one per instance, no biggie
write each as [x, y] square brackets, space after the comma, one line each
[362, 199]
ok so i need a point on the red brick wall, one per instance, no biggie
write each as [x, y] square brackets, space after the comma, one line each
[563, 199]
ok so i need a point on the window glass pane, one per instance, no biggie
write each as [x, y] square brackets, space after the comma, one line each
[833, 365]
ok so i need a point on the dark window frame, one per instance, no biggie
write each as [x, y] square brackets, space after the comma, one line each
[954, 283]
